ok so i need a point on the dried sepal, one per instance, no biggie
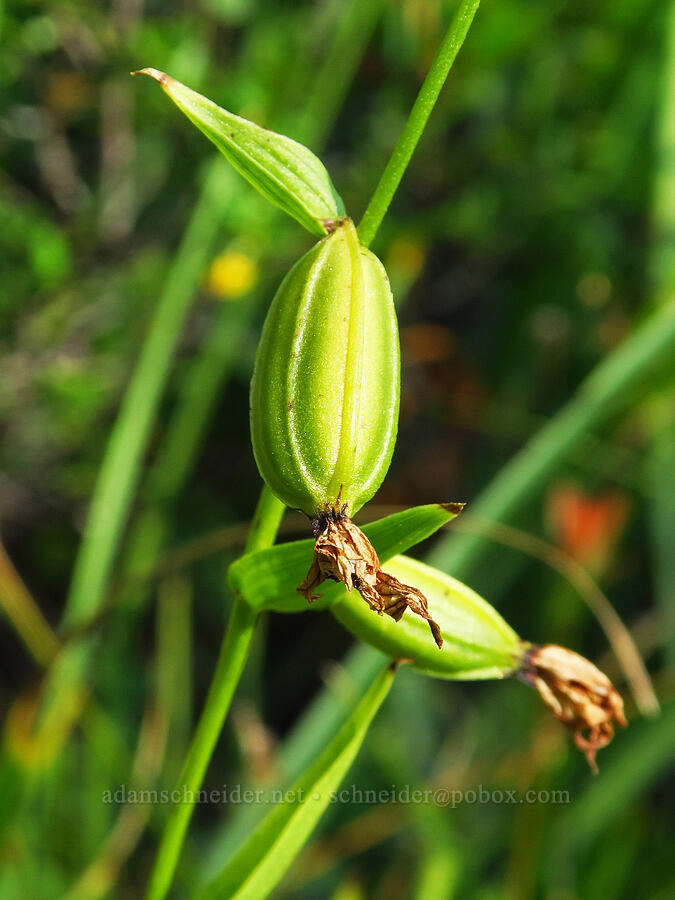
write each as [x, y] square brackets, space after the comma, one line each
[578, 693]
[343, 553]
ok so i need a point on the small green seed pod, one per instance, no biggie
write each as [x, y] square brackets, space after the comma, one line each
[325, 389]
[477, 642]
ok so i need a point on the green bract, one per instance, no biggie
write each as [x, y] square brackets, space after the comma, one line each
[268, 579]
[285, 172]
[325, 389]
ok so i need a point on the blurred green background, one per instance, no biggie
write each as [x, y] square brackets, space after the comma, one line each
[533, 232]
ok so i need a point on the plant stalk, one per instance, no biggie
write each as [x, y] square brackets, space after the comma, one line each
[269, 510]
[231, 661]
[417, 120]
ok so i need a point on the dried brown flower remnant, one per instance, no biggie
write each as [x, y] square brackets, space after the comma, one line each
[343, 553]
[579, 695]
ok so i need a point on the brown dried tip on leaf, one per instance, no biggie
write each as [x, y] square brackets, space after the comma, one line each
[579, 695]
[343, 553]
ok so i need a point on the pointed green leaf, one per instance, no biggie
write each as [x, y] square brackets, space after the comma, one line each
[284, 171]
[260, 863]
[268, 579]
[477, 642]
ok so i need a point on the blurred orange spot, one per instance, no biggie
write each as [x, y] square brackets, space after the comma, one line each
[67, 93]
[426, 343]
[585, 527]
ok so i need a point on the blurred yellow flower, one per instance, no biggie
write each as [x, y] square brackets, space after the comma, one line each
[231, 275]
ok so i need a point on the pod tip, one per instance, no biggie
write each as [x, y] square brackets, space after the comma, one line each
[160, 77]
[454, 508]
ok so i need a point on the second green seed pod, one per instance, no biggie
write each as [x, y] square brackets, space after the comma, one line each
[326, 382]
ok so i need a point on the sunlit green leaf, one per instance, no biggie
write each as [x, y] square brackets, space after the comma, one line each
[284, 171]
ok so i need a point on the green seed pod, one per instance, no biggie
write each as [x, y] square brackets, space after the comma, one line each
[325, 389]
[477, 642]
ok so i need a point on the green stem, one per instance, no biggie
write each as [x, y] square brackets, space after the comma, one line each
[417, 120]
[231, 661]
[269, 511]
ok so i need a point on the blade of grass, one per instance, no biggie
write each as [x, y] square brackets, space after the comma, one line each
[662, 529]
[25, 615]
[662, 271]
[260, 864]
[231, 660]
[608, 390]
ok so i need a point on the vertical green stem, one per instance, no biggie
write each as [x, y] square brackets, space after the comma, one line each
[231, 661]
[417, 120]
[269, 511]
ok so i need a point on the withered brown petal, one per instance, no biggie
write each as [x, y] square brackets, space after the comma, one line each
[311, 581]
[578, 693]
[343, 553]
[398, 596]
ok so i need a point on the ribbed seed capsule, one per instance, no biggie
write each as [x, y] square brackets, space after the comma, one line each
[325, 389]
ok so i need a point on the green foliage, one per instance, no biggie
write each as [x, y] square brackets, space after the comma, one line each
[520, 245]
[285, 172]
[259, 865]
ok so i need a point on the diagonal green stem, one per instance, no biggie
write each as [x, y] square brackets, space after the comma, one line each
[121, 466]
[600, 396]
[231, 661]
[417, 120]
